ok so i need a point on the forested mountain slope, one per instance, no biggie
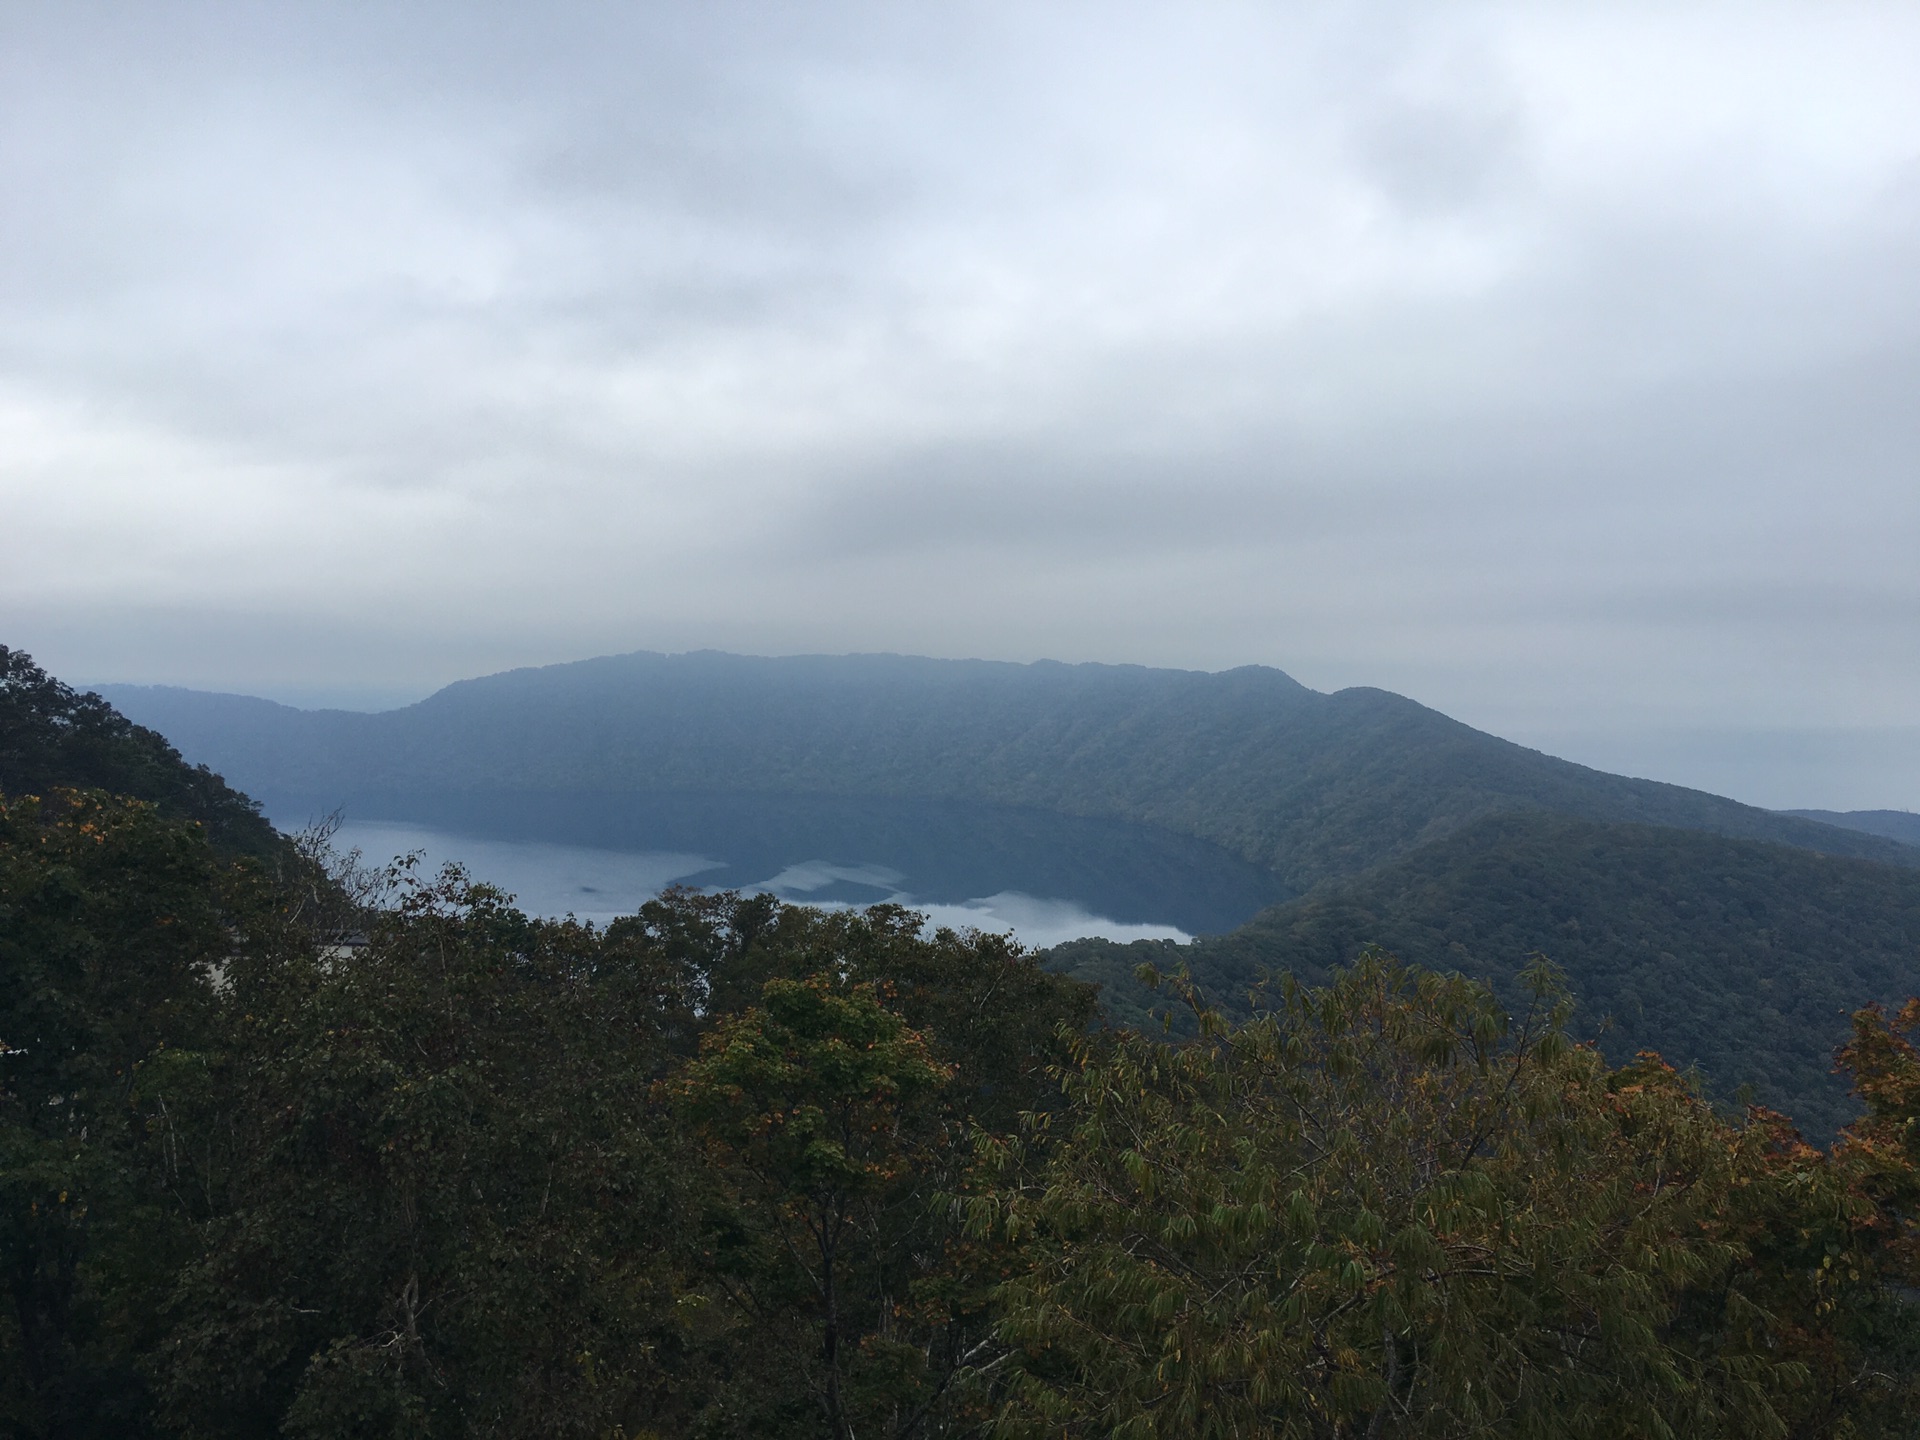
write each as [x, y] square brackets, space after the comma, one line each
[1309, 785]
[52, 735]
[1743, 957]
[255, 1186]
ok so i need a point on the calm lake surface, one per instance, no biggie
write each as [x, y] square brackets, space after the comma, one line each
[598, 854]
[550, 878]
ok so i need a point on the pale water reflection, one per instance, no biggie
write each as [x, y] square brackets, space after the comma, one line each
[1041, 922]
[545, 879]
[551, 879]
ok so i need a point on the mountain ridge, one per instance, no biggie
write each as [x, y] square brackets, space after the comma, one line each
[1901, 825]
[1309, 785]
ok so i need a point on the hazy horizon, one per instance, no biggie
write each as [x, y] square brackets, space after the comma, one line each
[1552, 366]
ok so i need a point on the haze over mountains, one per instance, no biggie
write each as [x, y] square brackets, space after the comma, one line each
[1305, 785]
[1901, 825]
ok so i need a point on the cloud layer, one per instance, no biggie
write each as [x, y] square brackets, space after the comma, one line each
[1554, 365]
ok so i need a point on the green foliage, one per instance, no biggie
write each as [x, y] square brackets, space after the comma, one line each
[814, 1104]
[255, 1181]
[735, 1168]
[1742, 958]
[1384, 1209]
[446, 1199]
[989, 1010]
[834, 1098]
[113, 922]
[54, 738]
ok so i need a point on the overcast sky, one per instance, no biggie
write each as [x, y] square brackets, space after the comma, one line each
[1557, 366]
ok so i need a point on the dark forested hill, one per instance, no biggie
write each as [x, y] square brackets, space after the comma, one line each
[52, 735]
[1305, 784]
[1743, 957]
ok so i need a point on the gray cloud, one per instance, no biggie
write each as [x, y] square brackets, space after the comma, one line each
[1552, 364]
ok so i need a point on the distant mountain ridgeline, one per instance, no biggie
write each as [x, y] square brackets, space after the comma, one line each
[1901, 825]
[1307, 786]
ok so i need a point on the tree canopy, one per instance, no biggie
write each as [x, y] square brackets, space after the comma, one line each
[1740, 957]
[288, 1147]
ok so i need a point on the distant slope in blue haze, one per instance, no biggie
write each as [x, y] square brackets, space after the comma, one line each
[1901, 825]
[1304, 785]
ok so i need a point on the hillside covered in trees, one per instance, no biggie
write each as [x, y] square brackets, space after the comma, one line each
[52, 735]
[1742, 957]
[728, 1167]
[732, 1168]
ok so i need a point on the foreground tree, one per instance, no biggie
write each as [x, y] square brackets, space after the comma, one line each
[448, 1201]
[815, 1108]
[1385, 1209]
[114, 920]
[840, 1297]
[696, 1175]
[482, 1176]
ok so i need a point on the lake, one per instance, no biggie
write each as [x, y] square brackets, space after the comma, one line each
[590, 883]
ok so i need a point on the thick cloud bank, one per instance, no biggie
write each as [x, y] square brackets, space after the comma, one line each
[1552, 364]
